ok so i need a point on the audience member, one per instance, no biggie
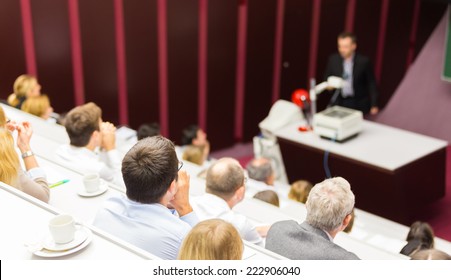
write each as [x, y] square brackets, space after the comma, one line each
[430, 254]
[213, 239]
[33, 181]
[87, 133]
[329, 208]
[260, 169]
[148, 130]
[3, 119]
[268, 196]
[225, 188]
[156, 214]
[24, 87]
[420, 237]
[193, 154]
[38, 106]
[194, 135]
[300, 190]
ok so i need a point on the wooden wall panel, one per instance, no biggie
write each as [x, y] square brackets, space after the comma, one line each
[395, 49]
[366, 27]
[182, 37]
[296, 47]
[332, 23]
[142, 61]
[221, 71]
[99, 55]
[53, 52]
[259, 64]
[431, 12]
[12, 53]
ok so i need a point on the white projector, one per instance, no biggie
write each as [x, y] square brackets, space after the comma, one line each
[338, 123]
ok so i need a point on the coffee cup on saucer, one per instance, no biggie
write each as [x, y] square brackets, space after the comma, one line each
[62, 228]
[91, 182]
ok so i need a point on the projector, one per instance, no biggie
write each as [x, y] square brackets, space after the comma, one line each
[338, 123]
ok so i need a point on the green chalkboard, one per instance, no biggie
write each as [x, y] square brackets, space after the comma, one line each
[447, 66]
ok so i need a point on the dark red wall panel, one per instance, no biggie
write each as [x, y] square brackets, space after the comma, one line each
[431, 12]
[296, 47]
[396, 46]
[99, 55]
[261, 22]
[12, 54]
[142, 61]
[366, 27]
[53, 52]
[332, 23]
[182, 31]
[221, 70]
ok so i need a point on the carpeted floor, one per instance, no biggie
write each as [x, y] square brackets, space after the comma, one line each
[437, 214]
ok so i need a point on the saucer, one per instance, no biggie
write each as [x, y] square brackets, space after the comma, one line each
[79, 237]
[102, 188]
[53, 254]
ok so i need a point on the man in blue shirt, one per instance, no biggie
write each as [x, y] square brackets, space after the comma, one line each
[156, 214]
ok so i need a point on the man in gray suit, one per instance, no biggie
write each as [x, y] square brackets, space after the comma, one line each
[329, 208]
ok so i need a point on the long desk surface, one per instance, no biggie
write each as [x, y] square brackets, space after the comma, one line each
[379, 145]
[25, 221]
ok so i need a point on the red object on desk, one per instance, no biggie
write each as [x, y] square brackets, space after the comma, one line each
[304, 128]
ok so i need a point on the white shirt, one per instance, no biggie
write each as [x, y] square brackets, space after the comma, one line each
[107, 164]
[209, 206]
[152, 227]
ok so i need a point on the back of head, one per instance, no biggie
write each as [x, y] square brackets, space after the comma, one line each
[193, 154]
[213, 239]
[22, 85]
[260, 170]
[268, 196]
[423, 232]
[37, 105]
[149, 168]
[148, 130]
[9, 163]
[328, 203]
[224, 177]
[81, 122]
[300, 190]
[189, 133]
[430, 254]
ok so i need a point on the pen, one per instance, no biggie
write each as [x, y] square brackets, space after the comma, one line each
[58, 183]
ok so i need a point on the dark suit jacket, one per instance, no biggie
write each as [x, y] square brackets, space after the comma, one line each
[364, 83]
[304, 242]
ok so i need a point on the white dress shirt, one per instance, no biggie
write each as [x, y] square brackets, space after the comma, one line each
[106, 164]
[152, 227]
[209, 206]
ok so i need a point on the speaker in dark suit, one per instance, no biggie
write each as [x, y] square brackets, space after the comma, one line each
[359, 89]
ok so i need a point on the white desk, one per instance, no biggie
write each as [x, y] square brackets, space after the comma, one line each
[386, 166]
[378, 145]
[25, 219]
[40, 126]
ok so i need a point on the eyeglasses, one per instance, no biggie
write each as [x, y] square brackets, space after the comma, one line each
[180, 165]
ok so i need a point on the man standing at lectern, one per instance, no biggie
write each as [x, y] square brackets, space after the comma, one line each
[359, 90]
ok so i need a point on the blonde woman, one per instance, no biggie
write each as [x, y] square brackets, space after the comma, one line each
[24, 87]
[33, 181]
[300, 190]
[213, 239]
[38, 106]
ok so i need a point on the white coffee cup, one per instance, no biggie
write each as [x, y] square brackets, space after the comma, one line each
[91, 182]
[62, 228]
